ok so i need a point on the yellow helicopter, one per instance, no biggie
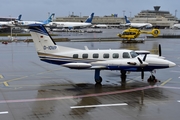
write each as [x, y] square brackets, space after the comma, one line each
[132, 33]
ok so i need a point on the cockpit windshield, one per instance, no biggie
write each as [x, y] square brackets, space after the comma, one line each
[133, 54]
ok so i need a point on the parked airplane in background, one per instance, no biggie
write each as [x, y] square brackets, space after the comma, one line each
[119, 59]
[71, 25]
[176, 26]
[25, 23]
[4, 24]
[100, 26]
[137, 25]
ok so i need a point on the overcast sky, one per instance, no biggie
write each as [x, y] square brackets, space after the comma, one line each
[39, 9]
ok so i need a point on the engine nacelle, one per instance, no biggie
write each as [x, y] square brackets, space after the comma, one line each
[77, 65]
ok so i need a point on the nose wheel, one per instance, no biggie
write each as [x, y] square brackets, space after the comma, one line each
[152, 78]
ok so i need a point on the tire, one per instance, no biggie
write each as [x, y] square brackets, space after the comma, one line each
[98, 80]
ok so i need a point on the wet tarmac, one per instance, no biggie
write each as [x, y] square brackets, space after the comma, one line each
[33, 90]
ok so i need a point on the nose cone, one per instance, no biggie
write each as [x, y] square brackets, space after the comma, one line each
[171, 64]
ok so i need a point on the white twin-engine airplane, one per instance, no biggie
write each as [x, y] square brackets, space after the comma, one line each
[117, 59]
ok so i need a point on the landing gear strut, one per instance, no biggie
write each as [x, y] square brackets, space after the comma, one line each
[97, 77]
[123, 78]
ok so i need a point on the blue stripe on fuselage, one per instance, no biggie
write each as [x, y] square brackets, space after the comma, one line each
[136, 68]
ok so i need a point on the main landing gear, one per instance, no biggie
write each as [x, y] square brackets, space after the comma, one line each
[97, 77]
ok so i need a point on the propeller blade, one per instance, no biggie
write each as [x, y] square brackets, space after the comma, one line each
[160, 50]
[140, 60]
[142, 74]
[144, 57]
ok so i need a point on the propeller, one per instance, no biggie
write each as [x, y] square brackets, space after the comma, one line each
[141, 62]
[160, 50]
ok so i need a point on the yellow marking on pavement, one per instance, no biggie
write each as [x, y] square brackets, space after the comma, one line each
[166, 82]
[6, 84]
[14, 79]
[1, 76]
[129, 81]
[27, 76]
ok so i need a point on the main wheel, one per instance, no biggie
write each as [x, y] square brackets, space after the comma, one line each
[98, 80]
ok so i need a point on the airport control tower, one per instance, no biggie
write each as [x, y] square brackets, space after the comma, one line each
[156, 8]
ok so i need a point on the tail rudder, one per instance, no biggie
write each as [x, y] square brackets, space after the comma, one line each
[42, 40]
[90, 18]
[127, 20]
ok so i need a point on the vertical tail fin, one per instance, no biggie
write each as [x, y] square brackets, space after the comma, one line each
[90, 18]
[127, 21]
[19, 17]
[49, 19]
[42, 40]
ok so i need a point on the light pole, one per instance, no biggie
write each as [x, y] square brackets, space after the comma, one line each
[123, 15]
[124, 12]
[175, 12]
[48, 14]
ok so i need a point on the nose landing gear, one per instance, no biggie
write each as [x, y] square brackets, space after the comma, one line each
[152, 78]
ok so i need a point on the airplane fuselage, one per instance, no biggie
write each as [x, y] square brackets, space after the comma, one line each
[105, 59]
[69, 24]
[139, 25]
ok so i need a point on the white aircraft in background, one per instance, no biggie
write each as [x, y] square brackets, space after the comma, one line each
[25, 23]
[176, 26]
[137, 25]
[4, 24]
[117, 59]
[71, 25]
[99, 26]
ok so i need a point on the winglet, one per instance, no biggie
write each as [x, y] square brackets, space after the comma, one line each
[90, 18]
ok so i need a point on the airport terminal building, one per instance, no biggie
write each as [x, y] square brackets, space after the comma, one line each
[158, 18]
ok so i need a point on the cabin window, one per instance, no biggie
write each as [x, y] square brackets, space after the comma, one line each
[106, 55]
[115, 55]
[75, 55]
[85, 56]
[126, 55]
[95, 55]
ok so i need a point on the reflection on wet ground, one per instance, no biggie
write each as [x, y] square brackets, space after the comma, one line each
[34, 90]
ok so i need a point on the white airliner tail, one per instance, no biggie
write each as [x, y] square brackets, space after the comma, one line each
[43, 41]
[127, 20]
[19, 17]
[90, 18]
[49, 19]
